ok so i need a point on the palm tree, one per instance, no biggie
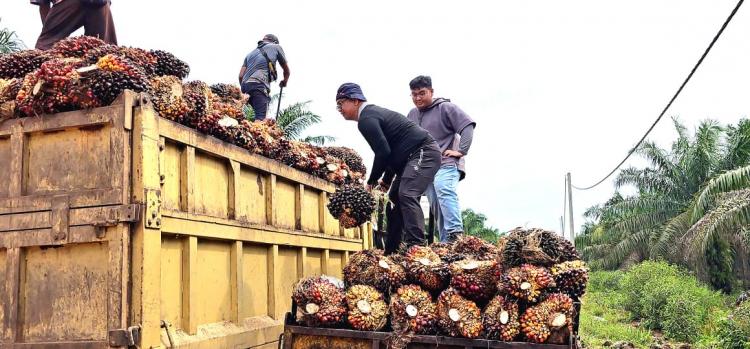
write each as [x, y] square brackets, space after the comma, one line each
[691, 201]
[474, 224]
[9, 41]
[295, 119]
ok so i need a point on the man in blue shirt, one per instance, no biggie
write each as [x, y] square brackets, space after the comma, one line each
[259, 70]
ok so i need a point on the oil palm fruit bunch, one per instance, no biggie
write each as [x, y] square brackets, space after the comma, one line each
[472, 246]
[227, 109]
[242, 137]
[537, 246]
[412, 309]
[526, 282]
[445, 251]
[550, 321]
[352, 205]
[266, 133]
[140, 57]
[168, 64]
[77, 46]
[8, 92]
[571, 278]
[475, 280]
[367, 308]
[53, 88]
[458, 316]
[371, 267]
[321, 302]
[166, 96]
[18, 64]
[227, 92]
[197, 97]
[211, 125]
[334, 170]
[501, 319]
[350, 157]
[425, 267]
[114, 75]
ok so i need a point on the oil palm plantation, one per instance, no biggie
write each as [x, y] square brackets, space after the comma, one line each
[295, 119]
[691, 206]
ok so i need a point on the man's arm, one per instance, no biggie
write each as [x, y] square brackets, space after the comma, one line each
[467, 136]
[285, 66]
[242, 73]
[370, 129]
[43, 8]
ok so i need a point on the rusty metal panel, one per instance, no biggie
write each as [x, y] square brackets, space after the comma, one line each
[3, 266]
[4, 159]
[255, 271]
[171, 162]
[285, 204]
[171, 279]
[211, 186]
[213, 285]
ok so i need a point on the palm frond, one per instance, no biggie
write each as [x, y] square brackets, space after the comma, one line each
[319, 140]
[731, 180]
[624, 248]
[725, 221]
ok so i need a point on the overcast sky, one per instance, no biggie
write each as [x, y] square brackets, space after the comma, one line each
[555, 86]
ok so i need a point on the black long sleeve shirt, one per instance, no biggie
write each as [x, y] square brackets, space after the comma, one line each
[392, 138]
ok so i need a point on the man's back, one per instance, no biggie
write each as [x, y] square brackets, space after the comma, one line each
[257, 65]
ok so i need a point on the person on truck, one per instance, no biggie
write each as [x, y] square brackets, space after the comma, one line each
[406, 160]
[60, 18]
[446, 123]
[259, 70]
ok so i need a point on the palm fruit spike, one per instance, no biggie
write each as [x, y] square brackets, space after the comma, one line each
[549, 321]
[350, 157]
[526, 282]
[445, 251]
[475, 280]
[320, 302]
[114, 74]
[266, 134]
[537, 246]
[168, 64]
[425, 267]
[367, 308]
[51, 89]
[371, 267]
[166, 95]
[472, 246]
[8, 91]
[412, 309]
[227, 91]
[18, 64]
[501, 319]
[351, 205]
[458, 316]
[142, 58]
[571, 278]
[197, 97]
[77, 46]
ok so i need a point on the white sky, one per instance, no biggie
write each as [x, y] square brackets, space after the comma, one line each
[555, 86]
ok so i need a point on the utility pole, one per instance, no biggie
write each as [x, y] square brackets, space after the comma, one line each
[562, 226]
[570, 208]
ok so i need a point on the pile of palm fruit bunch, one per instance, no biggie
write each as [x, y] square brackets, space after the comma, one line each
[524, 289]
[352, 205]
[84, 72]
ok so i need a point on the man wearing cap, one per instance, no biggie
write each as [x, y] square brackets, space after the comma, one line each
[60, 18]
[447, 123]
[259, 70]
[402, 150]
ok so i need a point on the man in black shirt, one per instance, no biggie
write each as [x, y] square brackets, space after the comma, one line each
[402, 150]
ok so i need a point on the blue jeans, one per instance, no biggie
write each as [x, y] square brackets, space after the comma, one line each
[443, 197]
[258, 100]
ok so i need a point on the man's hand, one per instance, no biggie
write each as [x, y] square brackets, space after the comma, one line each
[282, 83]
[453, 154]
[383, 185]
[368, 187]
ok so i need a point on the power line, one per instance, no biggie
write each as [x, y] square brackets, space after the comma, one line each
[695, 68]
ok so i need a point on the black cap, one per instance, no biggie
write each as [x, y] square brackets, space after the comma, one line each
[271, 38]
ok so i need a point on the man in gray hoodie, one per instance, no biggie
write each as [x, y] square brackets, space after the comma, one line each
[453, 130]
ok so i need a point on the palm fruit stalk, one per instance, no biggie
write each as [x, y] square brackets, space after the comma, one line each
[458, 316]
[445, 251]
[242, 137]
[141, 58]
[367, 308]
[527, 282]
[425, 267]
[18, 64]
[475, 280]
[197, 97]
[8, 91]
[550, 321]
[372, 268]
[320, 302]
[227, 93]
[571, 278]
[166, 96]
[412, 310]
[168, 64]
[350, 157]
[114, 74]
[501, 319]
[266, 134]
[53, 88]
[352, 205]
[474, 247]
[537, 246]
[335, 171]
[76, 47]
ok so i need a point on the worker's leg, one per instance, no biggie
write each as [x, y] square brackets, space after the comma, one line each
[98, 22]
[62, 20]
[395, 223]
[446, 189]
[259, 100]
[418, 174]
[435, 208]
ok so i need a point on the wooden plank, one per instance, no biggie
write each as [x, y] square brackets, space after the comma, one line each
[324, 261]
[273, 280]
[17, 155]
[271, 199]
[237, 284]
[60, 121]
[60, 217]
[234, 190]
[190, 285]
[60, 345]
[187, 180]
[12, 286]
[301, 257]
[299, 201]
[322, 213]
[78, 199]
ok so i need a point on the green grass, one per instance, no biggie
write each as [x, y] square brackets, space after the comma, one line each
[603, 319]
